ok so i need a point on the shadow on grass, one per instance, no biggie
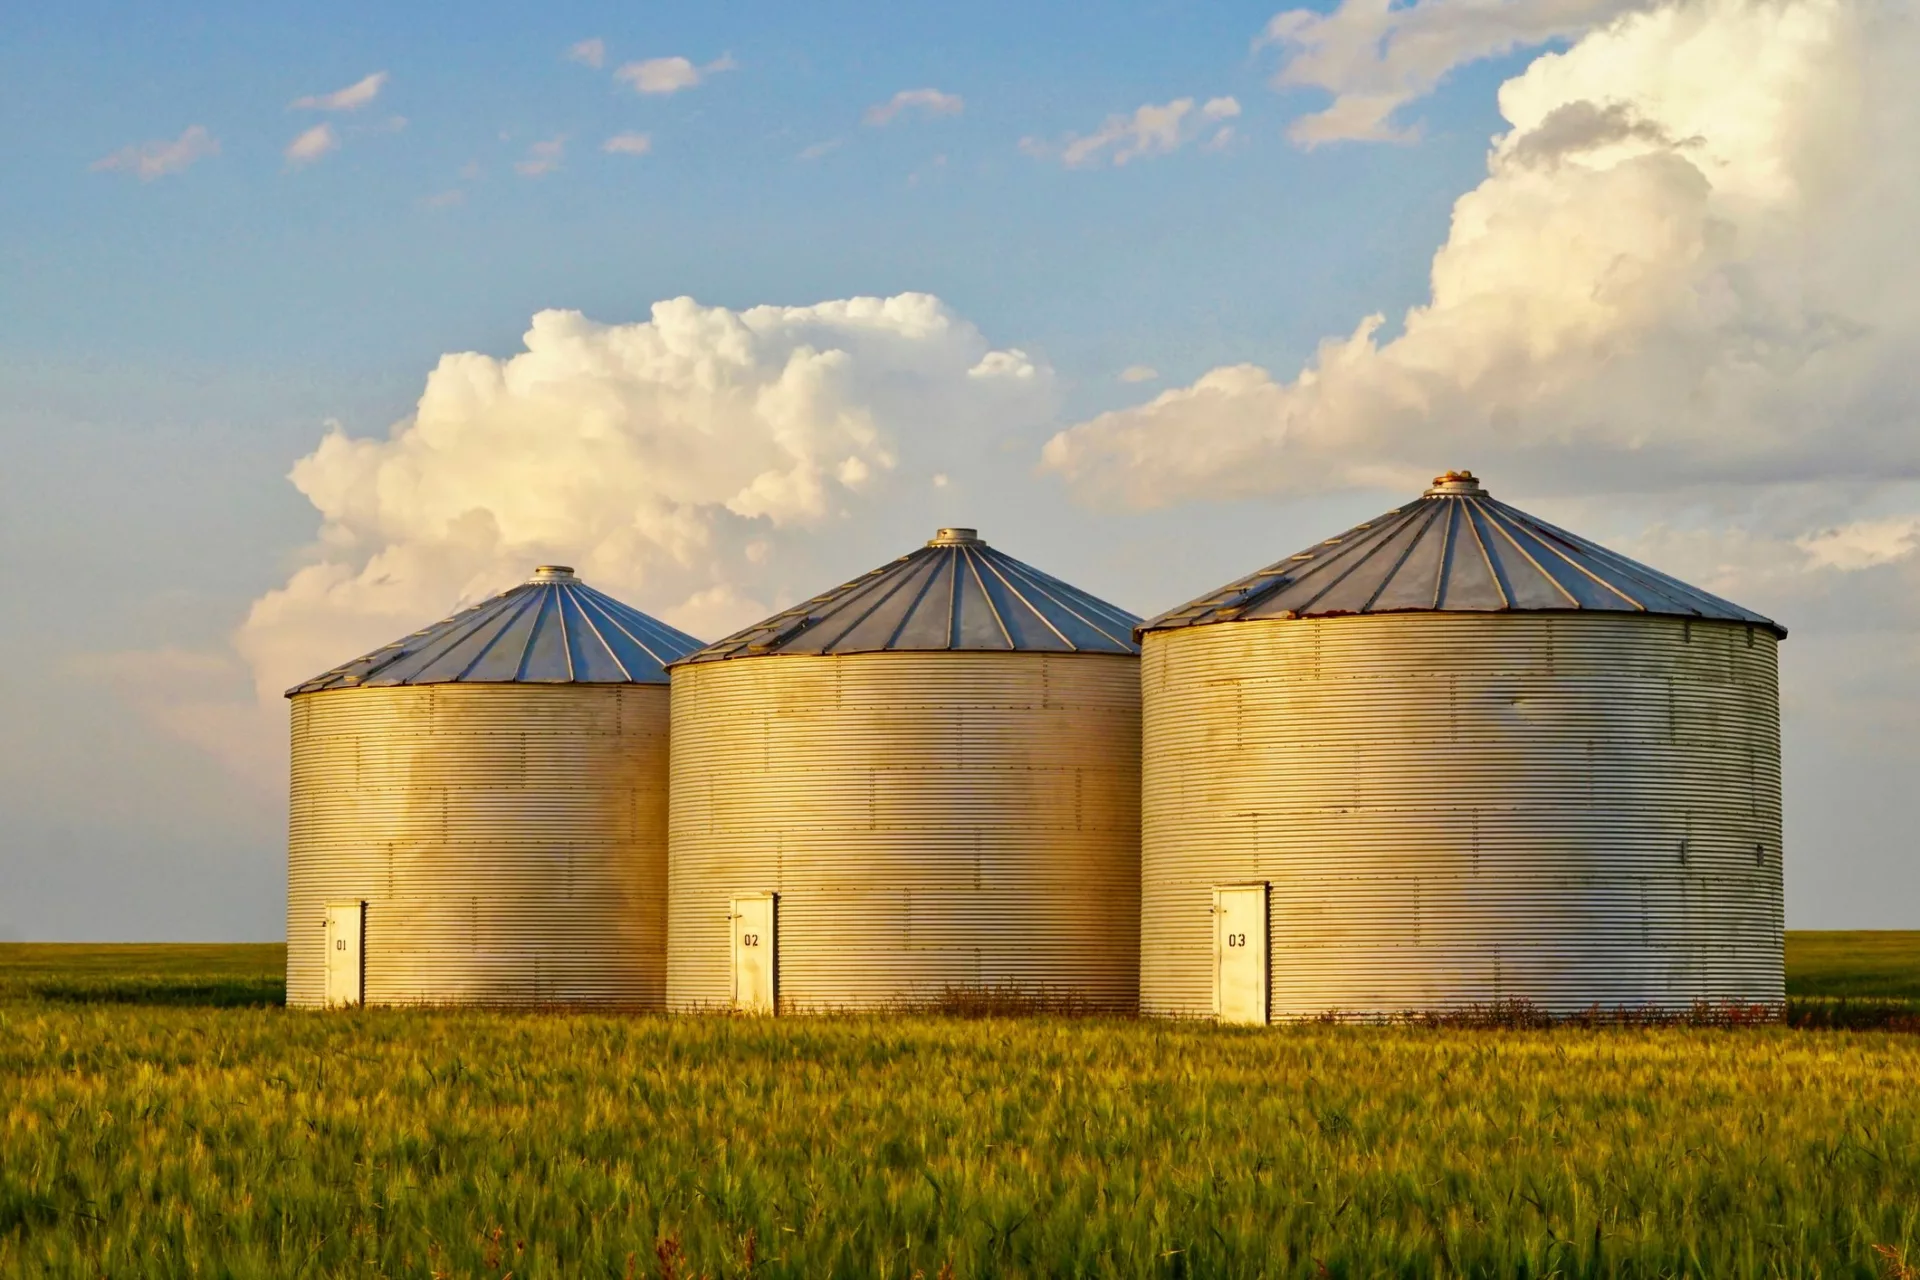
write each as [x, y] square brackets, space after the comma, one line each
[1004, 1000]
[1852, 1013]
[215, 993]
[1843, 1013]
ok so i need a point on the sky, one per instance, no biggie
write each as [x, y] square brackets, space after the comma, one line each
[317, 323]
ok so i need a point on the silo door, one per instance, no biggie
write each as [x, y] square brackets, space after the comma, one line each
[1240, 953]
[755, 960]
[346, 952]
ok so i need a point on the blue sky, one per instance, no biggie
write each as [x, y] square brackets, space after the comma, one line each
[170, 348]
[206, 322]
[343, 264]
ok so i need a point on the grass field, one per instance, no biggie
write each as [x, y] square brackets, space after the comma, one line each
[1874, 965]
[161, 1115]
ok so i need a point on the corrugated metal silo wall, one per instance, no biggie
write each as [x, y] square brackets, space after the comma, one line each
[929, 820]
[510, 841]
[1570, 810]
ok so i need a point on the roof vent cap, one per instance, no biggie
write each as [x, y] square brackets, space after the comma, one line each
[1455, 483]
[552, 573]
[955, 538]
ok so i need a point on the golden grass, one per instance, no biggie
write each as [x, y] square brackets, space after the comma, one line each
[144, 1135]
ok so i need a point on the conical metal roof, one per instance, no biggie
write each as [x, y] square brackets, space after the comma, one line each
[551, 629]
[955, 593]
[1456, 549]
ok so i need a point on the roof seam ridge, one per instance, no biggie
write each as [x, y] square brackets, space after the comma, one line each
[587, 618]
[475, 621]
[1524, 521]
[881, 597]
[913, 606]
[1041, 581]
[1365, 548]
[1500, 526]
[526, 650]
[986, 595]
[589, 598]
[506, 625]
[1037, 612]
[1398, 564]
[1486, 556]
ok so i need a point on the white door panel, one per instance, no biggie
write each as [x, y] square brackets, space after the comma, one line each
[346, 953]
[1240, 953]
[755, 956]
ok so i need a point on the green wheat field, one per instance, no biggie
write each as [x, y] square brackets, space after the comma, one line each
[162, 1115]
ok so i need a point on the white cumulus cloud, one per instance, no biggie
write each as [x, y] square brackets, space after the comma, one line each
[352, 98]
[928, 101]
[591, 52]
[670, 75]
[1679, 315]
[1688, 263]
[1375, 58]
[628, 144]
[1862, 544]
[672, 461]
[150, 160]
[542, 157]
[1151, 130]
[311, 145]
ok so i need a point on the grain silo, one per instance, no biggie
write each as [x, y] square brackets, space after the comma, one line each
[1457, 757]
[922, 782]
[479, 810]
